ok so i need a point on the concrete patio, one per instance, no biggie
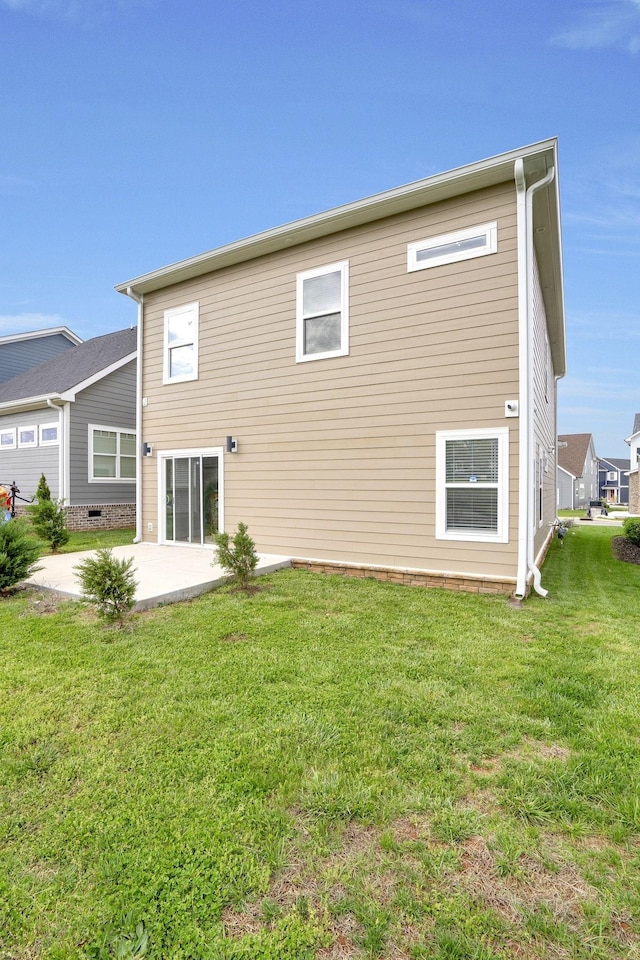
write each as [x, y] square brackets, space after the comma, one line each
[164, 574]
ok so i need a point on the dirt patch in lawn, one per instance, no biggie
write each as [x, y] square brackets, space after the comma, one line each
[625, 551]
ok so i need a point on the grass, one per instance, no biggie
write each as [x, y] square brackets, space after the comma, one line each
[94, 539]
[327, 768]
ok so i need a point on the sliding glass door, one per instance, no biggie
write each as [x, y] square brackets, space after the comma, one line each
[191, 492]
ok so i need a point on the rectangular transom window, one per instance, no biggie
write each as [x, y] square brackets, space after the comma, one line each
[181, 343]
[48, 434]
[322, 312]
[112, 455]
[472, 485]
[8, 439]
[452, 247]
[28, 436]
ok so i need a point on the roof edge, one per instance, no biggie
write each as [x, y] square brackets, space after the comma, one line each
[45, 332]
[460, 180]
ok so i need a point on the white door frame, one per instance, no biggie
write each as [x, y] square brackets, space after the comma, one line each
[163, 456]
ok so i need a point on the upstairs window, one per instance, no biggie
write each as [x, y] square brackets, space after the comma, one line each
[472, 485]
[112, 455]
[181, 343]
[322, 312]
[452, 247]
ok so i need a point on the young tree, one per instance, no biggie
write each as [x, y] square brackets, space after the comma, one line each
[48, 518]
[238, 555]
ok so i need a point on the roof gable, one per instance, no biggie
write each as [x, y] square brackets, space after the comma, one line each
[572, 456]
[72, 370]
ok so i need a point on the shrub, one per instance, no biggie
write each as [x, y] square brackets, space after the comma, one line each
[49, 521]
[18, 554]
[631, 530]
[42, 491]
[108, 584]
[238, 555]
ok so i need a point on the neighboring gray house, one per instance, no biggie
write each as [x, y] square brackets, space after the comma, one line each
[73, 418]
[634, 472]
[22, 351]
[577, 471]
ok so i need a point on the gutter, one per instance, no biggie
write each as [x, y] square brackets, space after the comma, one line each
[63, 472]
[524, 199]
[139, 299]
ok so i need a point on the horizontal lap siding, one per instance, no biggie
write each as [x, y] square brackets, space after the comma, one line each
[26, 465]
[337, 457]
[111, 402]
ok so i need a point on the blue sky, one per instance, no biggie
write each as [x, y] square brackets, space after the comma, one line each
[135, 133]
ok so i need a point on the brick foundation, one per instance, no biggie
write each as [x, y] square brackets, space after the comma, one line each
[101, 516]
[412, 578]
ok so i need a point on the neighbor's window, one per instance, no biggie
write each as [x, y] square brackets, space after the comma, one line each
[48, 434]
[451, 247]
[27, 436]
[8, 439]
[322, 312]
[181, 343]
[112, 455]
[472, 485]
[611, 476]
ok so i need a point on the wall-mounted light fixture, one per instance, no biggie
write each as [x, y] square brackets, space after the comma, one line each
[232, 445]
[147, 450]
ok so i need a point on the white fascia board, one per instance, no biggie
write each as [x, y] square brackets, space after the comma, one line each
[484, 173]
[48, 332]
[567, 472]
[28, 403]
[70, 395]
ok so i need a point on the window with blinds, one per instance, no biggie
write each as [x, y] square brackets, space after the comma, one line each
[472, 480]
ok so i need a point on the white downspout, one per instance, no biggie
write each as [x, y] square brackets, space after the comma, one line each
[524, 198]
[63, 474]
[139, 299]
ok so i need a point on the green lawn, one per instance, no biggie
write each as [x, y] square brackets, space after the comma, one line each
[327, 768]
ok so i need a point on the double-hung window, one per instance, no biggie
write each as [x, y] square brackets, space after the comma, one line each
[181, 344]
[322, 312]
[112, 455]
[472, 494]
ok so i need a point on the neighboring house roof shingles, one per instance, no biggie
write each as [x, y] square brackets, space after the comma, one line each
[636, 425]
[573, 456]
[73, 367]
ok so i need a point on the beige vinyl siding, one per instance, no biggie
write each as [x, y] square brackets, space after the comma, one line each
[544, 406]
[337, 457]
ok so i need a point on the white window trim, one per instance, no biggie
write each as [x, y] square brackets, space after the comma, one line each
[14, 443]
[501, 535]
[343, 350]
[168, 315]
[488, 230]
[49, 426]
[118, 431]
[26, 444]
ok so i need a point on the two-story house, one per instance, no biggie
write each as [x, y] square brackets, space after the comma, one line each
[577, 471]
[23, 351]
[613, 480]
[634, 475]
[371, 389]
[73, 418]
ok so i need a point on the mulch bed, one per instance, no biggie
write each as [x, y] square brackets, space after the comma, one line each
[623, 550]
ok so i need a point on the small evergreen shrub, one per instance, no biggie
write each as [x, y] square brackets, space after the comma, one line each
[48, 518]
[49, 521]
[237, 555]
[108, 584]
[42, 491]
[631, 530]
[18, 554]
